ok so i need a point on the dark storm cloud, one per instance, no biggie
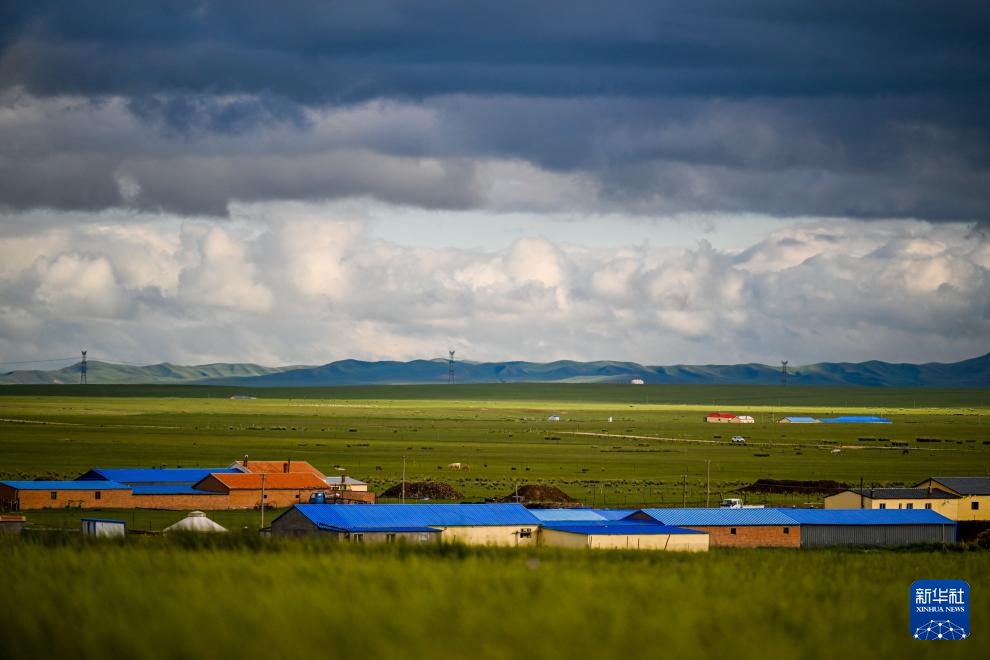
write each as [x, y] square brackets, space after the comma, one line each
[314, 51]
[829, 108]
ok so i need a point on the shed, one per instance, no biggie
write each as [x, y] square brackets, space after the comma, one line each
[856, 419]
[798, 420]
[627, 535]
[473, 524]
[148, 476]
[23, 495]
[872, 527]
[103, 527]
[719, 418]
[196, 521]
[741, 528]
[744, 419]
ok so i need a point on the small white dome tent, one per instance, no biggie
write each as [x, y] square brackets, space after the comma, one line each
[196, 521]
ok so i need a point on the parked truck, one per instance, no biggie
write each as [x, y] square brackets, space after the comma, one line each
[736, 503]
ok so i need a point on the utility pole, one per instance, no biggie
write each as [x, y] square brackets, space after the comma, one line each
[403, 479]
[861, 503]
[262, 500]
[684, 492]
[82, 369]
[708, 488]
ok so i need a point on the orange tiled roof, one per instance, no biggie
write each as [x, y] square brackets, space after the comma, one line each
[273, 481]
[272, 467]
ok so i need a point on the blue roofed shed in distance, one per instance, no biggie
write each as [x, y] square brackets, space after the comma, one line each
[567, 515]
[868, 517]
[153, 475]
[801, 420]
[615, 514]
[383, 517]
[720, 517]
[65, 485]
[618, 528]
[171, 489]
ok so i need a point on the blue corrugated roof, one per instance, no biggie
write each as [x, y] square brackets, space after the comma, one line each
[801, 420]
[171, 489]
[613, 529]
[856, 419]
[386, 516]
[64, 485]
[105, 520]
[616, 514]
[749, 517]
[379, 530]
[720, 517]
[564, 515]
[868, 517]
[152, 475]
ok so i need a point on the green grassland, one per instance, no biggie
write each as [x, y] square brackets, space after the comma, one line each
[501, 432]
[253, 598]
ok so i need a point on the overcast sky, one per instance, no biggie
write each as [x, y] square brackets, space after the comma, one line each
[303, 181]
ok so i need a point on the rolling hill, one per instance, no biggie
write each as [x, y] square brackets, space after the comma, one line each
[968, 373]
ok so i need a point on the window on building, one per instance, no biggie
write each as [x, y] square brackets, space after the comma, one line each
[732, 530]
[54, 495]
[357, 538]
[975, 506]
[390, 538]
[909, 506]
[99, 495]
[787, 530]
[928, 505]
[423, 538]
[883, 506]
[526, 533]
[900, 506]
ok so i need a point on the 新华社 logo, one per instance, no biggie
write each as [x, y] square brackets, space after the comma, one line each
[940, 610]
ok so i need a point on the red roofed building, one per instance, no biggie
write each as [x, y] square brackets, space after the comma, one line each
[272, 467]
[719, 418]
[280, 488]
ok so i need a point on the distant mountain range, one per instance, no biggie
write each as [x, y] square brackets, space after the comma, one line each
[968, 373]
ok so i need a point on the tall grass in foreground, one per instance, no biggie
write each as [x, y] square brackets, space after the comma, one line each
[244, 597]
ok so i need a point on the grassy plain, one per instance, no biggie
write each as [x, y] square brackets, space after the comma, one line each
[182, 598]
[657, 436]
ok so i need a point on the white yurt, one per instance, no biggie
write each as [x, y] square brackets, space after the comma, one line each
[196, 521]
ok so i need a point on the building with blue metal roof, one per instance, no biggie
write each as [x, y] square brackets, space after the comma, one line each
[484, 524]
[23, 495]
[134, 476]
[770, 527]
[856, 419]
[64, 485]
[568, 515]
[720, 517]
[473, 524]
[623, 535]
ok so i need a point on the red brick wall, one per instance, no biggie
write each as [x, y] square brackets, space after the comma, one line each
[123, 499]
[753, 536]
[86, 499]
[180, 502]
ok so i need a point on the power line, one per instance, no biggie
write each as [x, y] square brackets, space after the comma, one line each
[40, 361]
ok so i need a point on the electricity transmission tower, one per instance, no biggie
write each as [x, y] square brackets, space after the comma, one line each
[450, 369]
[82, 369]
